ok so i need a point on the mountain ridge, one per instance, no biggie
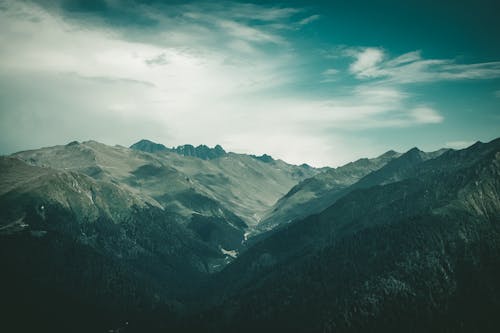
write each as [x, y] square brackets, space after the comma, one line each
[201, 151]
[161, 240]
[402, 250]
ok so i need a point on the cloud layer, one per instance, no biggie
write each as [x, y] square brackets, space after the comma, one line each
[373, 63]
[202, 73]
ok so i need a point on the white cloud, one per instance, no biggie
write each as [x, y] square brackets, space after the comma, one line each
[248, 33]
[250, 11]
[206, 76]
[405, 59]
[366, 62]
[309, 19]
[426, 115]
[330, 71]
[373, 63]
[329, 75]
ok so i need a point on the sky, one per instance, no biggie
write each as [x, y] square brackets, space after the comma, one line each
[317, 82]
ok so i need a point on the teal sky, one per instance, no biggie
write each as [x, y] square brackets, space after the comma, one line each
[321, 82]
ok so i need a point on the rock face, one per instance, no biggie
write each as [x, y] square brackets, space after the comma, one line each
[148, 146]
[99, 238]
[264, 158]
[201, 151]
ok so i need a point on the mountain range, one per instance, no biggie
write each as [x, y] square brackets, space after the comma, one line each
[149, 238]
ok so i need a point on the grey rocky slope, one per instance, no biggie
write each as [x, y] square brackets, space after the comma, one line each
[217, 198]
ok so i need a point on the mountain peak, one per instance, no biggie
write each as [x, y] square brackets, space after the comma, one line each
[202, 151]
[73, 143]
[413, 155]
[389, 154]
[414, 150]
[263, 158]
[148, 146]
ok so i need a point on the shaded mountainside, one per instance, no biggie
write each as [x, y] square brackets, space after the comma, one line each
[418, 254]
[99, 238]
[135, 232]
[69, 243]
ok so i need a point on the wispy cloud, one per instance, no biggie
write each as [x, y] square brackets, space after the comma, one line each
[248, 33]
[411, 67]
[329, 75]
[205, 73]
[174, 85]
[247, 11]
[309, 19]
[426, 115]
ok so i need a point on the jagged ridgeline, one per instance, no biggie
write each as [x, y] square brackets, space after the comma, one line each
[201, 151]
[126, 232]
[146, 238]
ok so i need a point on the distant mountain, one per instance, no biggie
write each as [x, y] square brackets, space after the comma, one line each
[201, 151]
[149, 146]
[152, 225]
[95, 238]
[419, 251]
[264, 158]
[235, 182]
[316, 193]
[399, 168]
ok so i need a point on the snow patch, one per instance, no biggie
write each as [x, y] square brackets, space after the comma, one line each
[89, 195]
[231, 253]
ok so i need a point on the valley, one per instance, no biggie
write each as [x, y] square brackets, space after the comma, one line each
[200, 239]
